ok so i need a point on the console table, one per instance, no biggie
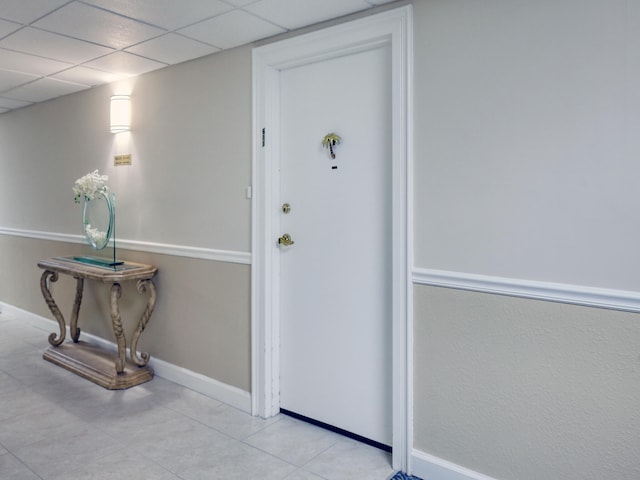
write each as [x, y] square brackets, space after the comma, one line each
[90, 361]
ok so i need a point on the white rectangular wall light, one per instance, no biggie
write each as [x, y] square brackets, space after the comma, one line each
[120, 113]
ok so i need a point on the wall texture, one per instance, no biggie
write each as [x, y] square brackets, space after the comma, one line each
[526, 149]
[201, 320]
[191, 146]
[523, 389]
[526, 167]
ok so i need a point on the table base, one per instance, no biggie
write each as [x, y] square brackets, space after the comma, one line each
[96, 364]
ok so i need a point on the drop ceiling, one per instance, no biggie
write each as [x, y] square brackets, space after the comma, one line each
[50, 48]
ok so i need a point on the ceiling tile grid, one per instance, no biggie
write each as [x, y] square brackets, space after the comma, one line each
[25, 63]
[292, 14]
[231, 29]
[167, 14]
[9, 78]
[50, 48]
[172, 49]
[43, 89]
[7, 27]
[27, 11]
[90, 77]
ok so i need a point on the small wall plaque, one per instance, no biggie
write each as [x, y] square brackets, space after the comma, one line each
[122, 159]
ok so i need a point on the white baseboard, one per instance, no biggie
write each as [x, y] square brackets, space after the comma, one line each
[210, 387]
[433, 468]
[228, 394]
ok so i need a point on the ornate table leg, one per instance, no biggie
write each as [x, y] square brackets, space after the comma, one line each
[51, 303]
[75, 331]
[143, 286]
[116, 292]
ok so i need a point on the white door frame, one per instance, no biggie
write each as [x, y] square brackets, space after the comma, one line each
[391, 28]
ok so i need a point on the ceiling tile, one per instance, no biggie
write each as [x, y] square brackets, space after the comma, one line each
[77, 44]
[98, 26]
[22, 62]
[167, 14]
[87, 76]
[231, 29]
[7, 27]
[43, 89]
[51, 45]
[10, 103]
[172, 49]
[26, 11]
[9, 79]
[295, 14]
[124, 63]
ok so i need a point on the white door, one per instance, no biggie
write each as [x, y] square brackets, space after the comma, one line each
[336, 279]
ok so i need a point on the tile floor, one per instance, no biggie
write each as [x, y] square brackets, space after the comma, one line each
[55, 425]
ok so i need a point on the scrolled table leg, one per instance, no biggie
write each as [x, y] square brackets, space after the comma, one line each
[116, 292]
[73, 326]
[48, 275]
[142, 287]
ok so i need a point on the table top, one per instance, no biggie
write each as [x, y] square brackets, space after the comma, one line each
[126, 272]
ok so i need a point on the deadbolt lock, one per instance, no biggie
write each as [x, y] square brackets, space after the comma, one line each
[285, 240]
[286, 208]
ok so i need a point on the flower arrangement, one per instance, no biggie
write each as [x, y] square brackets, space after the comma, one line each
[96, 236]
[89, 186]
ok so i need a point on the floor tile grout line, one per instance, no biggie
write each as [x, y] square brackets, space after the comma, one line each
[204, 424]
[38, 385]
[89, 425]
[298, 467]
[9, 452]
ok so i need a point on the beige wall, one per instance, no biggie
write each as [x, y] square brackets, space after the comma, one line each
[201, 320]
[525, 167]
[191, 146]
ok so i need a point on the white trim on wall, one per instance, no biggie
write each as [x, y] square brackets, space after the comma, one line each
[553, 292]
[210, 387]
[394, 28]
[429, 466]
[227, 256]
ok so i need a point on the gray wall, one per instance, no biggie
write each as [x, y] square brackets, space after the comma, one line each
[526, 390]
[527, 119]
[525, 168]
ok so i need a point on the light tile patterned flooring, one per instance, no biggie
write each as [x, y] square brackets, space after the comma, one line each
[55, 425]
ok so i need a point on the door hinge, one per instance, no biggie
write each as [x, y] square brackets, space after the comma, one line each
[263, 136]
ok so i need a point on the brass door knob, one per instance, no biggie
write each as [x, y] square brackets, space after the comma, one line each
[285, 240]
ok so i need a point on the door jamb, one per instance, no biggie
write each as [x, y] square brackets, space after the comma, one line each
[392, 27]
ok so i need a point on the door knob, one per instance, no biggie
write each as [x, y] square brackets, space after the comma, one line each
[285, 240]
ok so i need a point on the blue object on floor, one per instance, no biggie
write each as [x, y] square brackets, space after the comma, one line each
[404, 476]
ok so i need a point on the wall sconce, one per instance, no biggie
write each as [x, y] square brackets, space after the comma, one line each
[120, 113]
